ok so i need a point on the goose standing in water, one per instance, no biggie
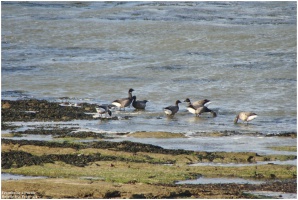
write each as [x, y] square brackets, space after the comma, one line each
[172, 110]
[199, 107]
[124, 102]
[197, 104]
[199, 110]
[103, 109]
[138, 104]
[245, 116]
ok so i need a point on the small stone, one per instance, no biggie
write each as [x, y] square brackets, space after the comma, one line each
[6, 105]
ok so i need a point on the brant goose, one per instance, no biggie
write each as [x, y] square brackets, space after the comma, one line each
[138, 104]
[199, 108]
[197, 104]
[103, 109]
[124, 102]
[245, 116]
[171, 110]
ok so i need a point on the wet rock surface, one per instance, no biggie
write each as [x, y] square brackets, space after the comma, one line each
[32, 110]
[16, 159]
[82, 134]
[41, 110]
[289, 186]
[42, 143]
[126, 146]
[19, 159]
[61, 133]
[8, 126]
[135, 191]
[41, 131]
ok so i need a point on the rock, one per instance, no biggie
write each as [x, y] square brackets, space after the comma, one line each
[112, 194]
[138, 196]
[6, 105]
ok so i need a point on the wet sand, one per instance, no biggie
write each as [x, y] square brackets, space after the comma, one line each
[121, 169]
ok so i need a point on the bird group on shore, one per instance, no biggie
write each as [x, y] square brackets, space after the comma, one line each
[196, 108]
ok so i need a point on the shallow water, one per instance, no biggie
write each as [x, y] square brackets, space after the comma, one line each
[7, 176]
[275, 195]
[240, 55]
[259, 145]
[204, 180]
[276, 162]
[194, 142]
[32, 137]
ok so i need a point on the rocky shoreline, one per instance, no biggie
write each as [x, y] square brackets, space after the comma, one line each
[120, 169]
[42, 110]
[19, 156]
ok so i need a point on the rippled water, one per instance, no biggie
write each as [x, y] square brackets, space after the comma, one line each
[240, 55]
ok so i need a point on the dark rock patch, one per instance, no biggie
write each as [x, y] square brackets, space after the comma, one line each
[42, 110]
[112, 194]
[82, 134]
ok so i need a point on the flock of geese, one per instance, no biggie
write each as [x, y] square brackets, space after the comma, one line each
[196, 108]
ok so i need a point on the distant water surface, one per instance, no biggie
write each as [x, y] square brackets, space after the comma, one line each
[240, 55]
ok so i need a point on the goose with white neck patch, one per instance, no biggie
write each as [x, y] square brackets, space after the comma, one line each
[124, 102]
[172, 110]
[199, 107]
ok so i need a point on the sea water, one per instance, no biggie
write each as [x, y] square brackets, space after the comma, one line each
[239, 55]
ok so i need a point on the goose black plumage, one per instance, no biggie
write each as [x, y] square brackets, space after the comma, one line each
[124, 102]
[138, 104]
[172, 110]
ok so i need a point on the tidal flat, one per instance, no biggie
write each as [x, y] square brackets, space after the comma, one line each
[71, 168]
[77, 170]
